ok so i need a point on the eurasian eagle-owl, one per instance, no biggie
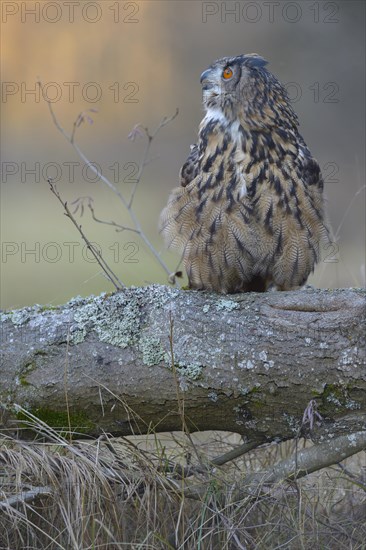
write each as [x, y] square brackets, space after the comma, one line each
[249, 213]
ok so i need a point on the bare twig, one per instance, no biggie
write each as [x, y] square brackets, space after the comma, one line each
[145, 160]
[127, 204]
[306, 462]
[79, 205]
[118, 226]
[336, 236]
[107, 270]
[82, 117]
[236, 452]
[295, 467]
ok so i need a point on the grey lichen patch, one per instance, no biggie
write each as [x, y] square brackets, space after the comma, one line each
[192, 371]
[167, 359]
[213, 396]
[292, 423]
[20, 317]
[116, 321]
[226, 305]
[246, 364]
[335, 398]
[243, 416]
[206, 308]
[349, 359]
[83, 316]
[4, 316]
[352, 439]
[152, 351]
[122, 328]
[77, 336]
[79, 300]
[344, 402]
[352, 405]
[86, 313]
[156, 295]
[86, 318]
[243, 390]
[263, 356]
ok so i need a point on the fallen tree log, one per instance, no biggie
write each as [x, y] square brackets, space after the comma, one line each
[247, 363]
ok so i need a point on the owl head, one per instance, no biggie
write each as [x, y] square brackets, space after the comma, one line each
[242, 88]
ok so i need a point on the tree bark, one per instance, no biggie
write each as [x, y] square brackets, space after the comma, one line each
[247, 363]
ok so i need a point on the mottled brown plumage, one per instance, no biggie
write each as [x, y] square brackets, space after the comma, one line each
[249, 213]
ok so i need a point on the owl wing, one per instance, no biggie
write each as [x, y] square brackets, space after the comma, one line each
[190, 168]
[309, 173]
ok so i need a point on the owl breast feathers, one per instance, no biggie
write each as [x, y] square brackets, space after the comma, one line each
[249, 213]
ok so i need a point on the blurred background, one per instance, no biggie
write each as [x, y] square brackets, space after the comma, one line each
[136, 62]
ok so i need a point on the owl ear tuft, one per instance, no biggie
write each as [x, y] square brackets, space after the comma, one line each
[254, 60]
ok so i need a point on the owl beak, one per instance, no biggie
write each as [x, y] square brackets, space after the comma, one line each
[205, 81]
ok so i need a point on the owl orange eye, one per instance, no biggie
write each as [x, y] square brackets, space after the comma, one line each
[227, 73]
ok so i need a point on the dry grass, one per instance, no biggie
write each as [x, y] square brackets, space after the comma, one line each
[132, 493]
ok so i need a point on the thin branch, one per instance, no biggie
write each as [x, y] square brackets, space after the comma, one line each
[79, 204]
[80, 119]
[306, 462]
[236, 452]
[118, 226]
[127, 205]
[99, 258]
[347, 210]
[180, 471]
[145, 160]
